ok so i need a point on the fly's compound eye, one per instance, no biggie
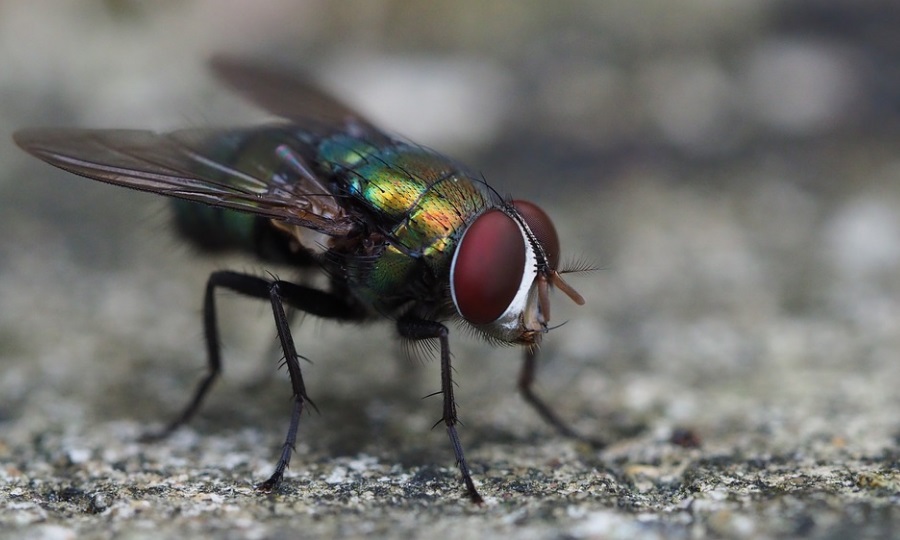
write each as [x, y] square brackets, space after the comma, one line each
[542, 228]
[487, 267]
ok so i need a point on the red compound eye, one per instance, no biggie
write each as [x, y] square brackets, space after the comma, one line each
[487, 268]
[542, 227]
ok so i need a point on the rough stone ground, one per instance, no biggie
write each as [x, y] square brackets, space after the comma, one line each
[733, 173]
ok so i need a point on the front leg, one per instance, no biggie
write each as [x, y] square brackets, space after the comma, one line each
[418, 329]
[526, 381]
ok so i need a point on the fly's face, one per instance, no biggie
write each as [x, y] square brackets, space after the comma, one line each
[503, 270]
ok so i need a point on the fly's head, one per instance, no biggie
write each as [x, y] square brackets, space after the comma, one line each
[502, 272]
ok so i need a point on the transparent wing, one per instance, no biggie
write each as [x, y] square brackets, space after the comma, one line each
[205, 166]
[290, 96]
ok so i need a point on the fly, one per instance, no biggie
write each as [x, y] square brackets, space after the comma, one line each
[401, 232]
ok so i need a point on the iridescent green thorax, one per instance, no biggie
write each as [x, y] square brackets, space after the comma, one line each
[423, 199]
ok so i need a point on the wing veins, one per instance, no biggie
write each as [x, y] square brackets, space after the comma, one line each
[207, 183]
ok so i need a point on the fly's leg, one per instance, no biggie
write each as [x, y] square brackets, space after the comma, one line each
[227, 280]
[313, 302]
[306, 299]
[297, 387]
[263, 378]
[417, 329]
[526, 381]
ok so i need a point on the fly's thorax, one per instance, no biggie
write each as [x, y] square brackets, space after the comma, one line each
[502, 271]
[394, 181]
[416, 252]
[418, 203]
[343, 151]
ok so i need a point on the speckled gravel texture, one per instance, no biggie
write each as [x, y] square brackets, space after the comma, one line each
[733, 169]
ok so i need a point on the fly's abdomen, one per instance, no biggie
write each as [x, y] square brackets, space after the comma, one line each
[214, 229]
[236, 156]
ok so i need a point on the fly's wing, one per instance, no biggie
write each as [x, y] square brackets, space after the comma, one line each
[192, 165]
[291, 97]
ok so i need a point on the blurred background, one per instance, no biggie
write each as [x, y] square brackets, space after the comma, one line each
[731, 168]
